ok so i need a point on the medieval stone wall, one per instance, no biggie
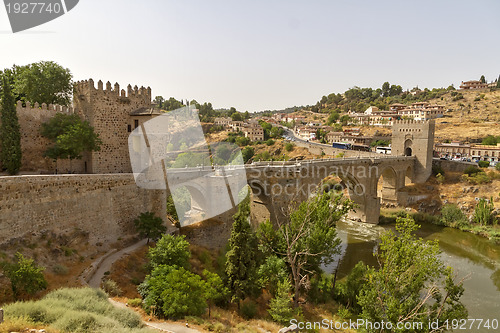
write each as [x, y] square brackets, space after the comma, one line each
[33, 145]
[102, 205]
[108, 111]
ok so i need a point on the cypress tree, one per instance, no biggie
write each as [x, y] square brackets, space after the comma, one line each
[241, 260]
[10, 136]
[498, 82]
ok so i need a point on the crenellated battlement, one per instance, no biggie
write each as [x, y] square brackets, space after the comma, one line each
[87, 87]
[42, 110]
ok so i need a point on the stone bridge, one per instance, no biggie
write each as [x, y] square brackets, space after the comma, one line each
[366, 180]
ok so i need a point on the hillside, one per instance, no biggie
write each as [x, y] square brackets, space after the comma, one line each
[474, 116]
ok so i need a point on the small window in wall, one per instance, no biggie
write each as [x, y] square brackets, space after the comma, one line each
[129, 128]
[136, 123]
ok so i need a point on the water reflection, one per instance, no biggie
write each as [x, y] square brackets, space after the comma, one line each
[470, 255]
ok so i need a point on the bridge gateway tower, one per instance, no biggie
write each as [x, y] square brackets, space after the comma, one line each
[415, 138]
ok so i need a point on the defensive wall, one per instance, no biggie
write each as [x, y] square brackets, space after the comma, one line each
[104, 205]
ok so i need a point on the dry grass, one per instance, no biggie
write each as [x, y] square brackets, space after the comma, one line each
[129, 271]
[21, 325]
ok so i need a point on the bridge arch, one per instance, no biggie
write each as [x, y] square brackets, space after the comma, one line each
[387, 185]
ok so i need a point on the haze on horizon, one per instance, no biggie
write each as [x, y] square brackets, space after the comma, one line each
[265, 54]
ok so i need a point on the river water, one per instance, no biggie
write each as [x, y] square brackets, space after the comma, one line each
[470, 255]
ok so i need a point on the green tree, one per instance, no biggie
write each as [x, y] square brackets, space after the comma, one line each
[236, 116]
[215, 290]
[271, 272]
[482, 79]
[289, 146]
[406, 287]
[170, 250]
[44, 82]
[280, 307]
[386, 87]
[241, 263]
[498, 82]
[173, 292]
[348, 290]
[10, 136]
[159, 101]
[308, 238]
[71, 136]
[247, 153]
[150, 226]
[25, 276]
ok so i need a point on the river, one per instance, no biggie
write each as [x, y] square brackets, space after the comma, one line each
[470, 255]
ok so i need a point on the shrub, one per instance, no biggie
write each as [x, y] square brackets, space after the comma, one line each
[348, 291]
[242, 141]
[483, 164]
[60, 269]
[170, 250]
[25, 276]
[483, 213]
[471, 170]
[77, 310]
[247, 153]
[270, 142]
[452, 216]
[280, 307]
[135, 302]
[289, 146]
[497, 167]
[478, 178]
[111, 288]
[150, 226]
[248, 309]
[173, 292]
[440, 178]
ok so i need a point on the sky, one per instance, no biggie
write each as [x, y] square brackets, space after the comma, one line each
[265, 54]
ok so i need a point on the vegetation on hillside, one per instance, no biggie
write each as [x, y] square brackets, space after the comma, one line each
[76, 310]
[10, 136]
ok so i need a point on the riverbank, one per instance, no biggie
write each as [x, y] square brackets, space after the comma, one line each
[491, 232]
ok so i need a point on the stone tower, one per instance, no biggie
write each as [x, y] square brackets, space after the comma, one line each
[108, 111]
[415, 138]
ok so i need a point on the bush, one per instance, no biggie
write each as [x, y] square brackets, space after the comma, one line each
[440, 178]
[280, 307]
[150, 226]
[248, 309]
[111, 288]
[173, 292]
[60, 270]
[452, 216]
[242, 141]
[471, 170]
[135, 302]
[497, 167]
[478, 178]
[270, 142]
[78, 310]
[247, 153]
[170, 250]
[483, 164]
[348, 291]
[289, 146]
[483, 213]
[25, 276]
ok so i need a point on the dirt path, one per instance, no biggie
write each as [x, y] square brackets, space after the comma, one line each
[104, 264]
[161, 326]
[96, 278]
